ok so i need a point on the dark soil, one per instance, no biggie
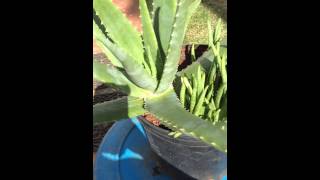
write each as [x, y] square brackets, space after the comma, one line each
[155, 121]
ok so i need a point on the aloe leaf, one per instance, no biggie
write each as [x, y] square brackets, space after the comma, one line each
[216, 115]
[222, 125]
[219, 95]
[202, 111]
[217, 32]
[163, 18]
[186, 82]
[224, 52]
[200, 101]
[110, 75]
[183, 13]
[114, 61]
[201, 81]
[149, 36]
[210, 104]
[101, 39]
[223, 69]
[193, 54]
[177, 134]
[135, 71]
[147, 67]
[167, 108]
[223, 113]
[182, 93]
[119, 28]
[193, 100]
[198, 76]
[125, 107]
[171, 133]
[151, 63]
[138, 74]
[212, 73]
[210, 92]
[194, 94]
[218, 45]
[204, 61]
[209, 114]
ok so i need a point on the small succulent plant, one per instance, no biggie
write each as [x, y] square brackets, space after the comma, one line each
[145, 65]
[203, 91]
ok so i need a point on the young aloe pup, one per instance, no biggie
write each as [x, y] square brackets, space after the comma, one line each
[203, 89]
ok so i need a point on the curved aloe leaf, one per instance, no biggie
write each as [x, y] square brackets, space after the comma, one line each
[134, 70]
[223, 50]
[224, 106]
[217, 32]
[163, 17]
[149, 36]
[167, 108]
[101, 41]
[223, 69]
[125, 107]
[184, 10]
[151, 63]
[119, 28]
[112, 76]
[204, 61]
[114, 61]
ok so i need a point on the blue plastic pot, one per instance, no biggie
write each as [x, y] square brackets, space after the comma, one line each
[125, 154]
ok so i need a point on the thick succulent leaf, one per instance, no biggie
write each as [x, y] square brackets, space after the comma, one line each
[204, 61]
[119, 28]
[125, 107]
[101, 39]
[217, 32]
[223, 50]
[167, 108]
[185, 9]
[151, 63]
[224, 106]
[223, 69]
[149, 36]
[163, 17]
[223, 125]
[134, 70]
[114, 61]
[112, 76]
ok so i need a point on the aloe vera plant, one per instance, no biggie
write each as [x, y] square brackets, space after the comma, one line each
[145, 65]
